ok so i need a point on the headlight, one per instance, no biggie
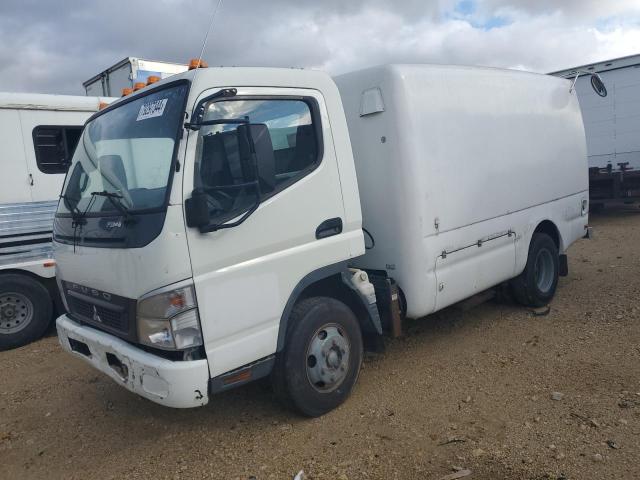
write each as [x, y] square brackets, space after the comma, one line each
[169, 320]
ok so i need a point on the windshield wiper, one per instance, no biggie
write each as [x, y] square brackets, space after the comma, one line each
[78, 217]
[116, 201]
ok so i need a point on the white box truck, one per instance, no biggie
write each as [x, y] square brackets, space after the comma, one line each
[38, 134]
[612, 127]
[126, 73]
[212, 228]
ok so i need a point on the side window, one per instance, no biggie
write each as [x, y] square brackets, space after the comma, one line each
[54, 147]
[228, 175]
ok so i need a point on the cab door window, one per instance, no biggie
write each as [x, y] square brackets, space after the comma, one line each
[228, 175]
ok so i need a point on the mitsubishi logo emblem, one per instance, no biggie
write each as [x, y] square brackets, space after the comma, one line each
[96, 317]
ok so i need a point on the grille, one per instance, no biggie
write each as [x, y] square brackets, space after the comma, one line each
[109, 318]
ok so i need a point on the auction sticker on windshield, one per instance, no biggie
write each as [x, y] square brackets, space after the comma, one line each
[152, 109]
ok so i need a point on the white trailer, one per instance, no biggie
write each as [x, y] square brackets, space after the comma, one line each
[213, 234]
[38, 134]
[612, 126]
[126, 73]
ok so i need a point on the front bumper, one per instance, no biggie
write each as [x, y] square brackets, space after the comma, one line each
[173, 384]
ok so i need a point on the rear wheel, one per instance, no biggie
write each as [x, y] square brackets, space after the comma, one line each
[536, 285]
[26, 309]
[321, 360]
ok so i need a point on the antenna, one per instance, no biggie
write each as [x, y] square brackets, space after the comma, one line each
[206, 37]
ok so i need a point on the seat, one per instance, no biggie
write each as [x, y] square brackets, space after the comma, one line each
[306, 149]
[112, 169]
[214, 167]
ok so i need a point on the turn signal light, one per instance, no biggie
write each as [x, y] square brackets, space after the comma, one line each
[153, 79]
[195, 63]
[127, 91]
[138, 85]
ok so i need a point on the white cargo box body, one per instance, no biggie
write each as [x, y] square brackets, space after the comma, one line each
[456, 167]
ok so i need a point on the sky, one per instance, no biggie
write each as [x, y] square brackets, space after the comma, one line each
[52, 46]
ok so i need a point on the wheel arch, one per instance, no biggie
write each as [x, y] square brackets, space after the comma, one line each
[331, 281]
[550, 228]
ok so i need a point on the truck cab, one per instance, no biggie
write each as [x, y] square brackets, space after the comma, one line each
[164, 291]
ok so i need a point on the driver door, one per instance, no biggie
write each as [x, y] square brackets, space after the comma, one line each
[244, 275]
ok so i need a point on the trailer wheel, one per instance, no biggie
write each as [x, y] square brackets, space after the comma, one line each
[321, 360]
[536, 285]
[26, 309]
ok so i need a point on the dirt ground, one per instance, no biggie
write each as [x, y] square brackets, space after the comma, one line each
[465, 388]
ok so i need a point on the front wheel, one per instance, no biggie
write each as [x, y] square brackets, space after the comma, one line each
[536, 285]
[26, 309]
[320, 362]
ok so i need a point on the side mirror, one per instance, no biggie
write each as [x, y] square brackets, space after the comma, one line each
[197, 210]
[596, 82]
[598, 85]
[258, 134]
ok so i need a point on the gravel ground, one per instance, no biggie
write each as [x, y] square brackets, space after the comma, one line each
[465, 389]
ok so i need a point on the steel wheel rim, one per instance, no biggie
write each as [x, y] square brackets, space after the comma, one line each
[327, 359]
[16, 312]
[544, 270]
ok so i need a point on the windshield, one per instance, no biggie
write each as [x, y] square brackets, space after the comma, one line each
[124, 157]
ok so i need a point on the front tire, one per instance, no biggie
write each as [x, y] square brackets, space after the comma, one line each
[321, 360]
[26, 309]
[536, 285]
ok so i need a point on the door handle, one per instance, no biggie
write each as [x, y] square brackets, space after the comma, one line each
[328, 228]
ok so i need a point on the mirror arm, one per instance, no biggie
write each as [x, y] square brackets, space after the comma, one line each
[225, 92]
[247, 214]
[575, 79]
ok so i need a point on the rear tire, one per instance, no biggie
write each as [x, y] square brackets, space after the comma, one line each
[321, 360]
[26, 309]
[536, 285]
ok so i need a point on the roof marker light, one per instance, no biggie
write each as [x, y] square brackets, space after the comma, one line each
[138, 86]
[153, 79]
[195, 63]
[127, 91]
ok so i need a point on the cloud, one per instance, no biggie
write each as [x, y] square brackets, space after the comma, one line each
[51, 48]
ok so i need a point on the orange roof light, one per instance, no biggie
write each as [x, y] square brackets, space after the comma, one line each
[195, 63]
[138, 85]
[153, 79]
[102, 105]
[127, 91]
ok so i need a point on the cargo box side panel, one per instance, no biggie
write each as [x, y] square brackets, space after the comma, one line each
[498, 141]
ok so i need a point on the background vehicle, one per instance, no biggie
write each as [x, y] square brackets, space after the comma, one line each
[126, 73]
[38, 134]
[221, 233]
[612, 126]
